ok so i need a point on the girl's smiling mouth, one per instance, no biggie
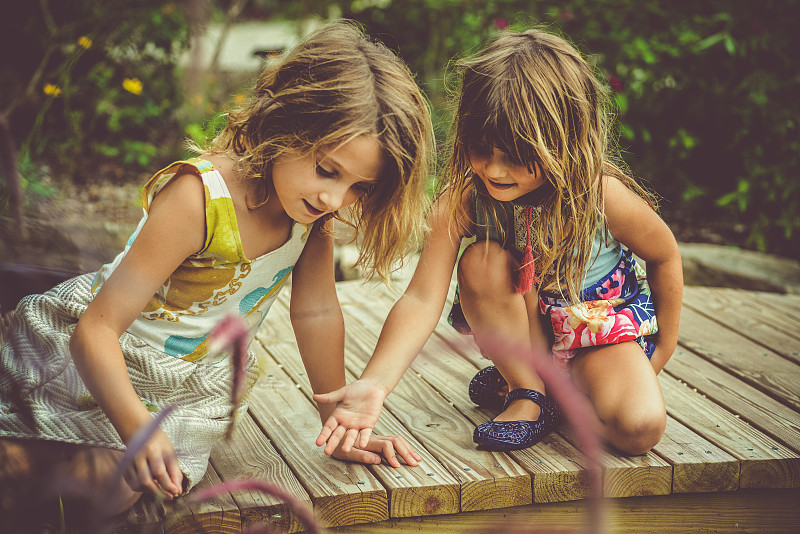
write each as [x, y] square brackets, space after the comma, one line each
[312, 210]
[499, 186]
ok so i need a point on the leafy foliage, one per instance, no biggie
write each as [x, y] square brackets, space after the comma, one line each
[92, 78]
[704, 91]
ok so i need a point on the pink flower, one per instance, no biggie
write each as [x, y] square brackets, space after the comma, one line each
[616, 83]
[562, 329]
[624, 328]
[566, 15]
[500, 23]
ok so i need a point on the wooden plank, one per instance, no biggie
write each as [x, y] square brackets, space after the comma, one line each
[560, 476]
[427, 489]
[146, 516]
[763, 324]
[790, 302]
[220, 514]
[764, 463]
[249, 455]
[629, 476]
[487, 479]
[698, 466]
[342, 493]
[752, 363]
[557, 468]
[760, 410]
[744, 511]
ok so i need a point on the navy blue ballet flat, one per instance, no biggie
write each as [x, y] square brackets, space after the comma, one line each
[515, 435]
[487, 388]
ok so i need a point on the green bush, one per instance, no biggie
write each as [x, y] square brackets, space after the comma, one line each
[92, 81]
[706, 91]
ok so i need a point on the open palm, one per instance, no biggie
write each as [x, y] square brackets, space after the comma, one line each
[358, 407]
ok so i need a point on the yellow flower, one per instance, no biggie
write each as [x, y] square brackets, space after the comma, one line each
[85, 42]
[239, 99]
[167, 9]
[50, 89]
[132, 85]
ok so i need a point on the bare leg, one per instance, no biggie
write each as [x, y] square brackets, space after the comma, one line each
[34, 470]
[624, 390]
[494, 310]
[95, 467]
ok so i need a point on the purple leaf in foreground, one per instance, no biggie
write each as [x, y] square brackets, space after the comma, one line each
[573, 404]
[232, 333]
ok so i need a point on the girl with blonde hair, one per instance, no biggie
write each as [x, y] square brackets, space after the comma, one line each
[337, 124]
[557, 226]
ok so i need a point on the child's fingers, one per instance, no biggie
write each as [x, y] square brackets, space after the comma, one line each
[143, 477]
[158, 472]
[349, 440]
[327, 429]
[364, 436]
[389, 453]
[175, 475]
[334, 440]
[365, 457]
[405, 451]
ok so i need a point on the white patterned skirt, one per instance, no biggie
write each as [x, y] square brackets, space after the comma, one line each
[43, 397]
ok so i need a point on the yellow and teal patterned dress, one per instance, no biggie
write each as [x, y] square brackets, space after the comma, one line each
[166, 347]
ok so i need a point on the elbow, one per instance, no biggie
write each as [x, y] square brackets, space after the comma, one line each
[301, 316]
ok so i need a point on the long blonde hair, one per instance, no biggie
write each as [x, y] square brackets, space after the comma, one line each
[337, 84]
[534, 97]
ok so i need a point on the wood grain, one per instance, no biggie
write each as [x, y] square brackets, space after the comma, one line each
[249, 455]
[425, 489]
[764, 463]
[752, 363]
[487, 479]
[220, 514]
[342, 493]
[779, 333]
[760, 410]
[744, 511]
[698, 466]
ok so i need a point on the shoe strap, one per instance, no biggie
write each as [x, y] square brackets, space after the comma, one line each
[549, 408]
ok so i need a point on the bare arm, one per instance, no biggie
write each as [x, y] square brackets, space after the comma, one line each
[174, 230]
[639, 228]
[319, 328]
[408, 326]
[317, 317]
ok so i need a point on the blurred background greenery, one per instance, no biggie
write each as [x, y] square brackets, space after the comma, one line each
[707, 92]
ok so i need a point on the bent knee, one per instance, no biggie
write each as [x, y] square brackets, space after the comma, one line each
[637, 433]
[485, 267]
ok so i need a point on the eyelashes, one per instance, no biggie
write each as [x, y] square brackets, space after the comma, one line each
[361, 187]
[322, 171]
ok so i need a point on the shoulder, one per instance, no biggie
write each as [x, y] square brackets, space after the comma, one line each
[180, 206]
[618, 197]
[453, 212]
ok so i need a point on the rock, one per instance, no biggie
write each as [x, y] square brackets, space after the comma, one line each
[723, 266]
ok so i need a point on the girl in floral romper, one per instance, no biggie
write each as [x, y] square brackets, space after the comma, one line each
[556, 226]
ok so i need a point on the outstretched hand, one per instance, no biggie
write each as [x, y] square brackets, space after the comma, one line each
[389, 446]
[358, 406]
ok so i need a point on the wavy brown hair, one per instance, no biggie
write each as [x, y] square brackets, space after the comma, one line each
[337, 84]
[533, 96]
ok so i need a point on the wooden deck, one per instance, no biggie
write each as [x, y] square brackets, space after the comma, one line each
[729, 460]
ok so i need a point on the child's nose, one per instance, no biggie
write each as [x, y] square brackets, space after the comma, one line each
[493, 167]
[333, 197]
